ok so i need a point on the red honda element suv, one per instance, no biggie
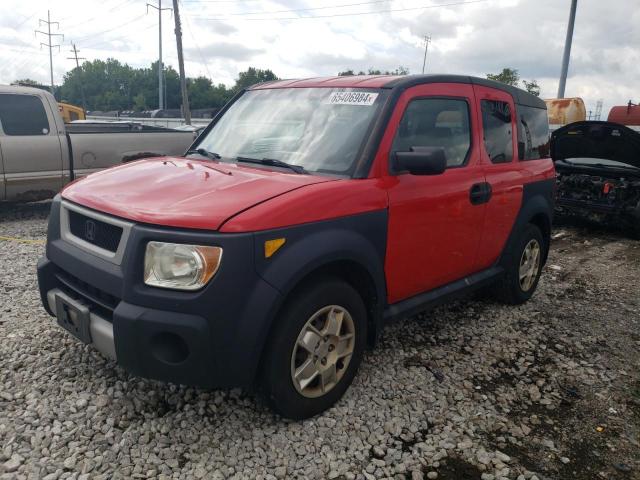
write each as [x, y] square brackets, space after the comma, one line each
[304, 216]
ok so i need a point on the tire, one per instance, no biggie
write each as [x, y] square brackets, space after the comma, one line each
[296, 351]
[512, 289]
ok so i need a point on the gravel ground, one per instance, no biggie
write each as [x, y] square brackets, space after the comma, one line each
[475, 390]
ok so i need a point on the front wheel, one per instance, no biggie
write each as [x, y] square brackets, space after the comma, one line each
[315, 349]
[523, 268]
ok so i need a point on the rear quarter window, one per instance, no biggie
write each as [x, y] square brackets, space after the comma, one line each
[23, 115]
[496, 125]
[533, 133]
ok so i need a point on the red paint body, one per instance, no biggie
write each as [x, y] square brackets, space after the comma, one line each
[435, 235]
[179, 192]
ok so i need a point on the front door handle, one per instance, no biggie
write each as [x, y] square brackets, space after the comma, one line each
[480, 193]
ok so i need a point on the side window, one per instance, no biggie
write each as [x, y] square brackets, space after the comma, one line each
[496, 123]
[23, 115]
[436, 122]
[533, 133]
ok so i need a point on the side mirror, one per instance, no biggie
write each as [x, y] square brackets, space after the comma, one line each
[420, 161]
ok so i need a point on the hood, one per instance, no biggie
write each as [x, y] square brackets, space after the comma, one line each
[601, 140]
[182, 192]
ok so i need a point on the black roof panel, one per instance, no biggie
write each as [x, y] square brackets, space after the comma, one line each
[520, 96]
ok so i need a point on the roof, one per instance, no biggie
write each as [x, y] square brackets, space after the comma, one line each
[22, 90]
[346, 81]
[625, 114]
[401, 82]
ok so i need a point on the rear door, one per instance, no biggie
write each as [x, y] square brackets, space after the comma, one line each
[31, 151]
[434, 226]
[495, 110]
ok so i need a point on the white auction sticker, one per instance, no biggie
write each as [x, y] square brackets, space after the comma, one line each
[352, 98]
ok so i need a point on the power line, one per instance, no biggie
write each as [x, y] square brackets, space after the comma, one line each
[121, 37]
[95, 34]
[99, 15]
[220, 1]
[195, 42]
[25, 20]
[426, 7]
[49, 44]
[326, 7]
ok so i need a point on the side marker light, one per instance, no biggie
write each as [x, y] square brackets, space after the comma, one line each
[272, 246]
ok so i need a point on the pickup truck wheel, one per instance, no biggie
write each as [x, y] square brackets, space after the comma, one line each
[315, 349]
[523, 268]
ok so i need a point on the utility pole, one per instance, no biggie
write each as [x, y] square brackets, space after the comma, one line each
[427, 41]
[49, 44]
[77, 59]
[183, 81]
[567, 49]
[160, 66]
[598, 109]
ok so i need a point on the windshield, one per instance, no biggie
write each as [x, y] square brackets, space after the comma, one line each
[599, 162]
[319, 129]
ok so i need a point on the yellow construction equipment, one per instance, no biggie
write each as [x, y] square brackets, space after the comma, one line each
[70, 112]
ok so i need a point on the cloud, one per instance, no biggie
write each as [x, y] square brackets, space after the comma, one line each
[235, 51]
[473, 39]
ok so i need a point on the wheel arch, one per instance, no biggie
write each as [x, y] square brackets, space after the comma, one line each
[360, 278]
[537, 209]
[543, 222]
[351, 249]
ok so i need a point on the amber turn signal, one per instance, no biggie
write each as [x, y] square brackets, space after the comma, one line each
[272, 246]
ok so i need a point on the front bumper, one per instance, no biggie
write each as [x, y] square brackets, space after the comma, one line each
[210, 338]
[101, 329]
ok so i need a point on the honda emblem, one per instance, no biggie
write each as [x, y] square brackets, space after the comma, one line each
[90, 230]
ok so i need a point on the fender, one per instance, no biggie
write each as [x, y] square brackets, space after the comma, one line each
[537, 202]
[308, 248]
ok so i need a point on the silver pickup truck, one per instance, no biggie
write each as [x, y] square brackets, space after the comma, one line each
[39, 154]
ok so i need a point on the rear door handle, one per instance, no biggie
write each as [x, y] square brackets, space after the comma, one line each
[480, 193]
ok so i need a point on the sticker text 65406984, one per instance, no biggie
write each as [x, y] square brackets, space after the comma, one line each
[352, 98]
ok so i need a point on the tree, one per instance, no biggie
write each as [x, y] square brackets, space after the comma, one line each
[27, 82]
[252, 76]
[510, 76]
[532, 87]
[111, 85]
[398, 71]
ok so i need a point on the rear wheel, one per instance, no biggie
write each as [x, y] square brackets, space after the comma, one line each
[523, 268]
[315, 348]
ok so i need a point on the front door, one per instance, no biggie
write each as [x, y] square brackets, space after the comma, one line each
[31, 150]
[435, 222]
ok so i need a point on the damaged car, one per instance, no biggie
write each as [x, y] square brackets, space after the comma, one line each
[598, 173]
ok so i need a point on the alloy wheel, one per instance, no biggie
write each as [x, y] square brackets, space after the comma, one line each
[529, 265]
[322, 351]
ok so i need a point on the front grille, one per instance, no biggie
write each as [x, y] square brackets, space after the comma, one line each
[97, 300]
[95, 232]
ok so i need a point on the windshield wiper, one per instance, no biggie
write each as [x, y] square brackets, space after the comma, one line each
[273, 162]
[205, 153]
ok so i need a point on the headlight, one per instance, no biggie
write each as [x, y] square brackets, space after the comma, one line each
[178, 266]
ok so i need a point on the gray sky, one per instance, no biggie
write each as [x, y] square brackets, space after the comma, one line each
[223, 37]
